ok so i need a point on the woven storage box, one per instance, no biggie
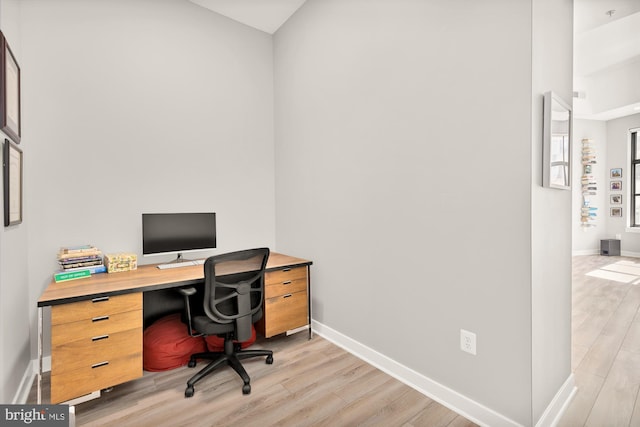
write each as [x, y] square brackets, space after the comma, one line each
[120, 262]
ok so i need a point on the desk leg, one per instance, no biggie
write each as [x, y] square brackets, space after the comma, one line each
[40, 345]
[309, 299]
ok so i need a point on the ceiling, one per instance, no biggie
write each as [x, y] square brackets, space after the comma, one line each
[265, 15]
[606, 58]
[606, 48]
[590, 14]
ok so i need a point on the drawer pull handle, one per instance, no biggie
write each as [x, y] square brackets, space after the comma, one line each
[101, 337]
[99, 299]
[100, 319]
[286, 269]
[288, 282]
[97, 365]
[287, 296]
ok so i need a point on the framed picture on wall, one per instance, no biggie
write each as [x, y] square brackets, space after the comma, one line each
[12, 176]
[617, 212]
[616, 173]
[10, 92]
[616, 185]
[616, 199]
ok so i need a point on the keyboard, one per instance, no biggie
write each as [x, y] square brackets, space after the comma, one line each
[181, 264]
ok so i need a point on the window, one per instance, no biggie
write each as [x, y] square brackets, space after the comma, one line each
[634, 194]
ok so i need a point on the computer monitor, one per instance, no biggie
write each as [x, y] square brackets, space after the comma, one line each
[175, 233]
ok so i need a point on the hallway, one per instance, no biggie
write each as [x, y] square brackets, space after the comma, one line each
[605, 348]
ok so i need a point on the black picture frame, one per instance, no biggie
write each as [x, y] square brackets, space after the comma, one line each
[10, 120]
[12, 176]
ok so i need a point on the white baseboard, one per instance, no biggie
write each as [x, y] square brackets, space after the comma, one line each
[559, 404]
[22, 394]
[29, 378]
[597, 252]
[453, 400]
[585, 252]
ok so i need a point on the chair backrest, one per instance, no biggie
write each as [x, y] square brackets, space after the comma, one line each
[234, 288]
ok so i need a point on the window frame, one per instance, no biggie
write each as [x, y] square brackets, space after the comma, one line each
[633, 191]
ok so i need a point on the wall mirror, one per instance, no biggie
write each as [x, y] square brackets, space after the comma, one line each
[556, 151]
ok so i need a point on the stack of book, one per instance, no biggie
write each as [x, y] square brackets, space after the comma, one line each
[588, 213]
[79, 261]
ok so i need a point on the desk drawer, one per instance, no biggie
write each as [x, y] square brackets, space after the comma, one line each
[97, 326]
[78, 354]
[95, 344]
[284, 313]
[285, 287]
[97, 307]
[103, 374]
[284, 275]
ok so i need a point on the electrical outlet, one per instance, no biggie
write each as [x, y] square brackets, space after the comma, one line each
[468, 341]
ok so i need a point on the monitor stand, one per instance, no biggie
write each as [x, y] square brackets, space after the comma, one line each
[178, 259]
[180, 262]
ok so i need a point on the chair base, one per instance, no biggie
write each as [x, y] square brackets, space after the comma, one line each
[230, 357]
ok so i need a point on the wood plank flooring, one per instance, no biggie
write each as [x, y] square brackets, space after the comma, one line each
[605, 348]
[311, 383]
[315, 383]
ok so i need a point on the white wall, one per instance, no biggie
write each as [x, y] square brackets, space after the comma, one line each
[550, 213]
[617, 147]
[612, 143]
[142, 106]
[587, 240]
[415, 207]
[15, 307]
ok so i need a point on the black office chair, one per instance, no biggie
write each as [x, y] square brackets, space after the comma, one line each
[233, 295]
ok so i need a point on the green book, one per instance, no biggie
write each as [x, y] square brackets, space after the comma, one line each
[70, 275]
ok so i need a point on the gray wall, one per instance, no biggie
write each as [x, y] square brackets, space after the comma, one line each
[15, 307]
[421, 215]
[415, 207]
[142, 106]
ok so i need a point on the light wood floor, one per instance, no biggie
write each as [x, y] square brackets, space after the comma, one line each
[311, 383]
[606, 348]
[315, 383]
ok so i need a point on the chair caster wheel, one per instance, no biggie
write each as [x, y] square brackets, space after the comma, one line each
[269, 360]
[192, 363]
[246, 389]
[189, 392]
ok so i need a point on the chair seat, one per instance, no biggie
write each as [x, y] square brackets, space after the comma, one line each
[206, 326]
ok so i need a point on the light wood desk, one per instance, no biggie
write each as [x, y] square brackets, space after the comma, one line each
[97, 322]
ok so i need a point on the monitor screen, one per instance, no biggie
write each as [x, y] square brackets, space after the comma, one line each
[164, 233]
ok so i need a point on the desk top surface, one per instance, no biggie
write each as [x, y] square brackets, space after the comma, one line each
[144, 278]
